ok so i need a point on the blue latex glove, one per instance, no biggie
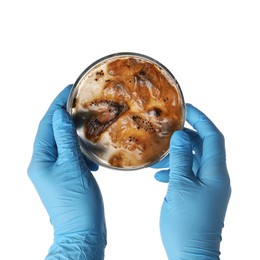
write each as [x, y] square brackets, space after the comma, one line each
[193, 212]
[67, 188]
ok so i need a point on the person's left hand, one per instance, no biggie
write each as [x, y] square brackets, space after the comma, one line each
[194, 208]
[67, 188]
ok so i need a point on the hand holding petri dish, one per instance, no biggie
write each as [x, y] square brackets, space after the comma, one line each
[125, 107]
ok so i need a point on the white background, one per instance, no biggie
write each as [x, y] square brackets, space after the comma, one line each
[212, 48]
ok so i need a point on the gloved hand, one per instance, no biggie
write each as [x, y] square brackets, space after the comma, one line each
[193, 211]
[67, 188]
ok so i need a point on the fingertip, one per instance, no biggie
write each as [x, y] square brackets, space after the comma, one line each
[189, 105]
[66, 89]
[193, 112]
[91, 165]
[162, 176]
[69, 86]
[61, 99]
[205, 128]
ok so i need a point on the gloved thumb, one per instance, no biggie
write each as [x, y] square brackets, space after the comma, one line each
[181, 157]
[65, 136]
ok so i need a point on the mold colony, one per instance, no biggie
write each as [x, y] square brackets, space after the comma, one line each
[125, 110]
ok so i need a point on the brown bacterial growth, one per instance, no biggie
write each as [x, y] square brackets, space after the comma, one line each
[103, 114]
[136, 112]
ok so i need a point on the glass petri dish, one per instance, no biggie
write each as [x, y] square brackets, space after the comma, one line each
[125, 107]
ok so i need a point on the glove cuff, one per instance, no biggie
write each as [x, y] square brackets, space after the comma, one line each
[77, 247]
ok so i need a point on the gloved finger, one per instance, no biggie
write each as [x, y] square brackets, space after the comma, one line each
[66, 137]
[91, 165]
[196, 146]
[44, 144]
[164, 163]
[213, 150]
[162, 176]
[196, 142]
[181, 157]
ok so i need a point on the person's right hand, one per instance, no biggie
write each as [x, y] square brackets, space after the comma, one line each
[67, 188]
[194, 208]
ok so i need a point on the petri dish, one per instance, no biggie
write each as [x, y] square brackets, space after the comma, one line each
[125, 107]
